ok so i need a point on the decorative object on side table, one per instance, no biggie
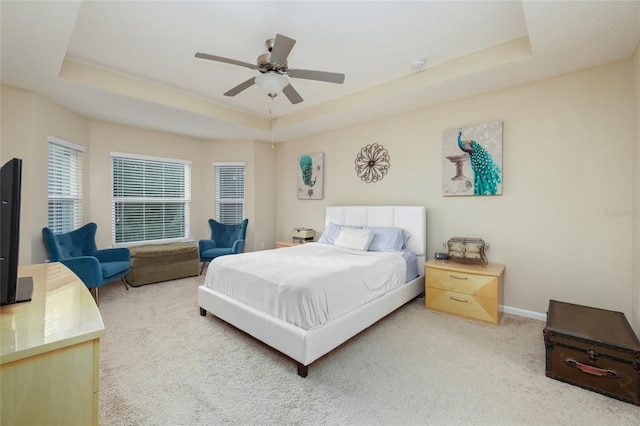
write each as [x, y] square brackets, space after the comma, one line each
[441, 256]
[471, 250]
[372, 163]
[310, 176]
[302, 235]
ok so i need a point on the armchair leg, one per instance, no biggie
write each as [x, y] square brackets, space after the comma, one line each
[124, 281]
[202, 269]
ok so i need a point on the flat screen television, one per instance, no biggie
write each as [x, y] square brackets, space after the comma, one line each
[13, 289]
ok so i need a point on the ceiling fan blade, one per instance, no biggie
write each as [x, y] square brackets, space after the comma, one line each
[291, 94]
[330, 77]
[240, 87]
[281, 48]
[226, 60]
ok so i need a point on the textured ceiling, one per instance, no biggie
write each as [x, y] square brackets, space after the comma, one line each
[132, 62]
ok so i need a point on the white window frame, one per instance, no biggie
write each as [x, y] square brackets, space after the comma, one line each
[184, 200]
[219, 196]
[65, 162]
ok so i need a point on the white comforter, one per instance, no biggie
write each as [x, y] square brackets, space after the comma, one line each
[306, 285]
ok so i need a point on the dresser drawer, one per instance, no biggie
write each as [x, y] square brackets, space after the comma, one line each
[464, 305]
[462, 282]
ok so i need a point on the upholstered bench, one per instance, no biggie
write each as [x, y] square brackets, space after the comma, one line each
[153, 263]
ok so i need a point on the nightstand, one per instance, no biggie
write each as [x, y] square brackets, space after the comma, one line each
[465, 290]
[281, 244]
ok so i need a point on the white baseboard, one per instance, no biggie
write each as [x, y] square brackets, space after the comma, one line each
[523, 313]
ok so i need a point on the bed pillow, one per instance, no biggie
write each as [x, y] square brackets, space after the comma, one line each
[387, 238]
[356, 239]
[332, 231]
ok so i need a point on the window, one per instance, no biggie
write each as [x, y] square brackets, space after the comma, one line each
[65, 185]
[151, 199]
[229, 192]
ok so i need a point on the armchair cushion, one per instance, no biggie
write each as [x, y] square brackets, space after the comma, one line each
[204, 245]
[215, 252]
[114, 269]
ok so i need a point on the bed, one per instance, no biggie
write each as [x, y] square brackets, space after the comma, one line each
[307, 340]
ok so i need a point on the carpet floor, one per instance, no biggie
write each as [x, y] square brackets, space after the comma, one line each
[163, 364]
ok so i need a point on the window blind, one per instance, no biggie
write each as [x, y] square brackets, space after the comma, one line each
[65, 186]
[151, 199]
[229, 192]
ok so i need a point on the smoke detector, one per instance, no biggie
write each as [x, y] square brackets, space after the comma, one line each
[418, 63]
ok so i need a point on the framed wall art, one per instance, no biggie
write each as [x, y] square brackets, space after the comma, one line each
[472, 160]
[311, 176]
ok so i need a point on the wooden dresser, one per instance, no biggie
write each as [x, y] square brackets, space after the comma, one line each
[50, 355]
[466, 290]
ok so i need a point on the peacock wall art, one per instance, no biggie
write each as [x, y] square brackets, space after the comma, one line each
[310, 176]
[472, 163]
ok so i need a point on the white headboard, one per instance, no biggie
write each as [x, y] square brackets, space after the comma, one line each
[412, 219]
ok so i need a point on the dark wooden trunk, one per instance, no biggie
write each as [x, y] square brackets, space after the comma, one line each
[592, 348]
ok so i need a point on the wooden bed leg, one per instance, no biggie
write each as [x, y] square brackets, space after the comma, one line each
[303, 370]
[203, 313]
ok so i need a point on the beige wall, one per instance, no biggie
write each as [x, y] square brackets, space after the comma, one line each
[27, 120]
[568, 171]
[259, 187]
[636, 192]
[264, 208]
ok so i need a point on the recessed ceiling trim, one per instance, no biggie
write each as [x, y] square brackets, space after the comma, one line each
[117, 83]
[501, 54]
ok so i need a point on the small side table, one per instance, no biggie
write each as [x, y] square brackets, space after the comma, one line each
[466, 290]
[281, 244]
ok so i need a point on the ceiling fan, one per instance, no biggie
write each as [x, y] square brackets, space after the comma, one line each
[273, 66]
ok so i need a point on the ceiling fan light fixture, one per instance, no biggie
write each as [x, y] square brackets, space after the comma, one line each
[272, 83]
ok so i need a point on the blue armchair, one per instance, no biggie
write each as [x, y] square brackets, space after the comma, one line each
[77, 250]
[225, 239]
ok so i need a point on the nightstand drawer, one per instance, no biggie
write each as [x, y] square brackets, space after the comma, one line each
[464, 305]
[462, 282]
